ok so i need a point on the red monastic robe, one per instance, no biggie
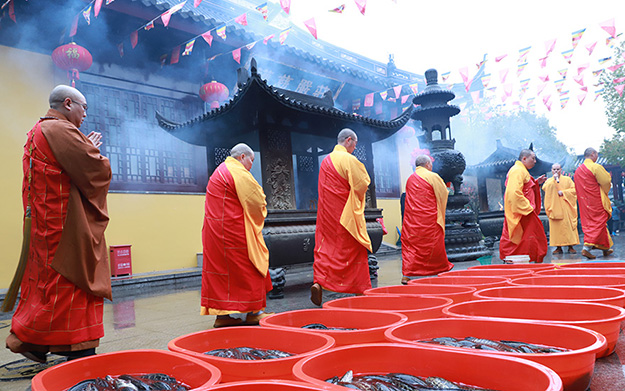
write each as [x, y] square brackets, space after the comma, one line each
[423, 229]
[523, 232]
[233, 280]
[341, 240]
[592, 183]
[67, 274]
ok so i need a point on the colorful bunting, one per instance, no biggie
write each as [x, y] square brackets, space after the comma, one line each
[567, 55]
[559, 84]
[549, 46]
[339, 9]
[311, 26]
[619, 89]
[581, 98]
[196, 3]
[167, 14]
[507, 91]
[267, 38]
[208, 38]
[618, 80]
[96, 7]
[445, 76]
[73, 29]
[263, 10]
[361, 4]
[383, 94]
[249, 46]
[109, 2]
[163, 60]
[397, 91]
[543, 62]
[499, 58]
[615, 67]
[485, 80]
[134, 38]
[591, 47]
[283, 35]
[369, 100]
[355, 105]
[579, 79]
[222, 32]
[598, 92]
[241, 19]
[286, 5]
[523, 54]
[12, 12]
[175, 55]
[602, 61]
[597, 73]
[475, 95]
[414, 87]
[502, 75]
[608, 26]
[87, 15]
[540, 88]
[480, 64]
[563, 101]
[520, 69]
[236, 55]
[576, 36]
[582, 68]
[563, 72]
[149, 26]
[188, 48]
[404, 98]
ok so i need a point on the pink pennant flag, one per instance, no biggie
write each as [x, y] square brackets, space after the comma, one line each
[249, 46]
[582, 68]
[267, 38]
[549, 46]
[404, 99]
[540, 88]
[12, 11]
[208, 38]
[475, 95]
[507, 89]
[242, 20]
[547, 101]
[397, 91]
[502, 75]
[286, 5]
[581, 98]
[87, 15]
[608, 26]
[615, 67]
[464, 73]
[579, 79]
[544, 78]
[618, 80]
[96, 8]
[543, 62]
[120, 48]
[175, 55]
[369, 100]
[236, 54]
[619, 89]
[467, 85]
[134, 38]
[196, 3]
[591, 47]
[73, 29]
[311, 26]
[167, 14]
[339, 9]
[361, 4]
[585, 89]
[283, 35]
[149, 26]
[499, 58]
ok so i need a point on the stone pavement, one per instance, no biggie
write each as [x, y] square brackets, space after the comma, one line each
[150, 310]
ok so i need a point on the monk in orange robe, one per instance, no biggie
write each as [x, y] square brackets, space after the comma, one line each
[67, 277]
[341, 239]
[235, 277]
[523, 232]
[561, 209]
[593, 183]
[423, 229]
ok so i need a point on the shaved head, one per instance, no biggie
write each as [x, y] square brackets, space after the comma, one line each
[525, 153]
[588, 152]
[61, 92]
[345, 134]
[422, 161]
[241, 149]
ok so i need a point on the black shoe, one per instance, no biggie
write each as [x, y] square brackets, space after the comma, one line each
[73, 355]
[39, 357]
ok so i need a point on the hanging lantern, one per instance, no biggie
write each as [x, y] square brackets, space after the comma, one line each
[214, 93]
[72, 58]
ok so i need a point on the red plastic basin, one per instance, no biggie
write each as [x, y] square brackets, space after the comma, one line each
[477, 369]
[573, 271]
[457, 294]
[585, 294]
[272, 385]
[188, 370]
[414, 307]
[592, 265]
[579, 280]
[602, 318]
[508, 273]
[574, 367]
[479, 282]
[370, 325]
[528, 266]
[299, 342]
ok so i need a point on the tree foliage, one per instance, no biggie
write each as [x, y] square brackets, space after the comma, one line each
[613, 149]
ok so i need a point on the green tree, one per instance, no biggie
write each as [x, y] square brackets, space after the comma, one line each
[613, 149]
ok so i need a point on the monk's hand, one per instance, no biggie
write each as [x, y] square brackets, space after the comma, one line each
[560, 193]
[541, 179]
[95, 138]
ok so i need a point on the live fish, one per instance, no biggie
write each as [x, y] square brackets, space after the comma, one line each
[399, 382]
[145, 382]
[247, 353]
[320, 326]
[499, 346]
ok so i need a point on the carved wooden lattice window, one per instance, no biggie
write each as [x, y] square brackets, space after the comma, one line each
[143, 156]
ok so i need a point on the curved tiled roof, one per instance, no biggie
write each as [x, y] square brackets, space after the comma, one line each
[256, 96]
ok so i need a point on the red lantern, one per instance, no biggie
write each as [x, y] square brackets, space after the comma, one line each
[74, 58]
[214, 93]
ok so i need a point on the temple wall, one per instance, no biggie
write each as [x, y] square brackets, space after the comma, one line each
[163, 229]
[391, 210]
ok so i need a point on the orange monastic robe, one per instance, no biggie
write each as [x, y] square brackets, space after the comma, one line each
[67, 274]
[423, 230]
[562, 211]
[236, 259]
[523, 232]
[341, 238]
[593, 183]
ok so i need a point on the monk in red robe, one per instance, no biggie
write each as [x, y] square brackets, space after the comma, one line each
[341, 239]
[523, 232]
[67, 277]
[592, 183]
[423, 229]
[235, 277]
